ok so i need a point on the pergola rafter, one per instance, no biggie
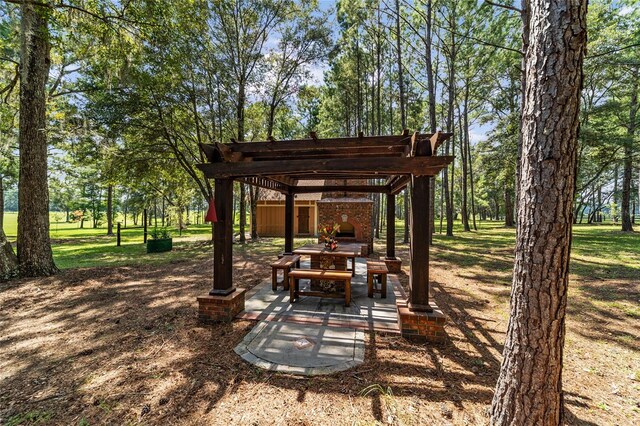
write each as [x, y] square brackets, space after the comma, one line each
[396, 161]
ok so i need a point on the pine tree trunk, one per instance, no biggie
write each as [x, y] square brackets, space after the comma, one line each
[180, 219]
[405, 200]
[243, 212]
[110, 210]
[627, 174]
[473, 198]
[432, 111]
[163, 213]
[524, 16]
[255, 194]
[1, 202]
[464, 128]
[34, 245]
[508, 207]
[243, 197]
[8, 260]
[442, 186]
[403, 114]
[449, 176]
[403, 111]
[529, 388]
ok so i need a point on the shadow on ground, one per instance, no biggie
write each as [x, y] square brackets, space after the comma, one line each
[122, 345]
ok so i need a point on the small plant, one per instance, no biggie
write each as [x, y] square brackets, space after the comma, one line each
[160, 234]
[389, 401]
[105, 407]
[377, 388]
[30, 417]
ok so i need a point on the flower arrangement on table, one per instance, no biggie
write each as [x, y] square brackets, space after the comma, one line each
[328, 235]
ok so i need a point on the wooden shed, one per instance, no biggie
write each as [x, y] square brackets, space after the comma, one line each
[270, 213]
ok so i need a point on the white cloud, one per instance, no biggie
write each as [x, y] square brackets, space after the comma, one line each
[317, 73]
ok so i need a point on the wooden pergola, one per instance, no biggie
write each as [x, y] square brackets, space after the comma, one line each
[396, 161]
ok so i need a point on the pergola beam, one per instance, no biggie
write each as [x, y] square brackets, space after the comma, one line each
[308, 145]
[367, 166]
[393, 150]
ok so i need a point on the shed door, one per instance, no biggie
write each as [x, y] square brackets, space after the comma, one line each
[303, 220]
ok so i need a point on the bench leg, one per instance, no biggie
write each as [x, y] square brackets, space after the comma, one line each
[285, 281]
[292, 290]
[347, 293]
[274, 279]
[353, 266]
[384, 285]
[369, 284]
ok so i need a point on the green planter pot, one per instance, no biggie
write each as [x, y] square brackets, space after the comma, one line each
[158, 246]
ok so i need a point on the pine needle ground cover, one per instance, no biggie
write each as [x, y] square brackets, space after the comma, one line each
[118, 342]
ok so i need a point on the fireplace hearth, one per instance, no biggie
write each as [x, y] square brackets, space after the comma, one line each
[352, 212]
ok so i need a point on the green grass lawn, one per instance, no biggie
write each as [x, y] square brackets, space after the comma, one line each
[599, 251]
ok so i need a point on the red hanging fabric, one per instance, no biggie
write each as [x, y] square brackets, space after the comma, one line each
[211, 213]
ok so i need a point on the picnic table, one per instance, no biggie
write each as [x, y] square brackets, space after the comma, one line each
[323, 258]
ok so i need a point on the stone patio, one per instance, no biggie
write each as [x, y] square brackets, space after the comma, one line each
[302, 349]
[315, 335]
[364, 313]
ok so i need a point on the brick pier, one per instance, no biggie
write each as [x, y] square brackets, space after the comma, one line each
[215, 309]
[421, 326]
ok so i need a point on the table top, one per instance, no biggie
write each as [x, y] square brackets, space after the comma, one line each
[343, 250]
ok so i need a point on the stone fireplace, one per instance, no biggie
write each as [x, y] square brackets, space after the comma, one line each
[352, 211]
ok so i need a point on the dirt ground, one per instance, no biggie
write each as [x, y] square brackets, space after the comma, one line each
[122, 346]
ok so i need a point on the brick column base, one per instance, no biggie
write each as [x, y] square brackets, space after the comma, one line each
[421, 326]
[215, 309]
[393, 265]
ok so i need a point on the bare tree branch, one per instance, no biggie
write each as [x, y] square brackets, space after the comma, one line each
[503, 6]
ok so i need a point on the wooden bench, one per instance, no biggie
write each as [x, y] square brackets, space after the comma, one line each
[319, 274]
[377, 270]
[285, 263]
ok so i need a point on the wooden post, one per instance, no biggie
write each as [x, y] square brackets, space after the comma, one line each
[288, 224]
[223, 239]
[118, 235]
[144, 220]
[419, 245]
[391, 226]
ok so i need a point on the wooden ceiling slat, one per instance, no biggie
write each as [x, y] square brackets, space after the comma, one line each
[265, 183]
[399, 184]
[339, 188]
